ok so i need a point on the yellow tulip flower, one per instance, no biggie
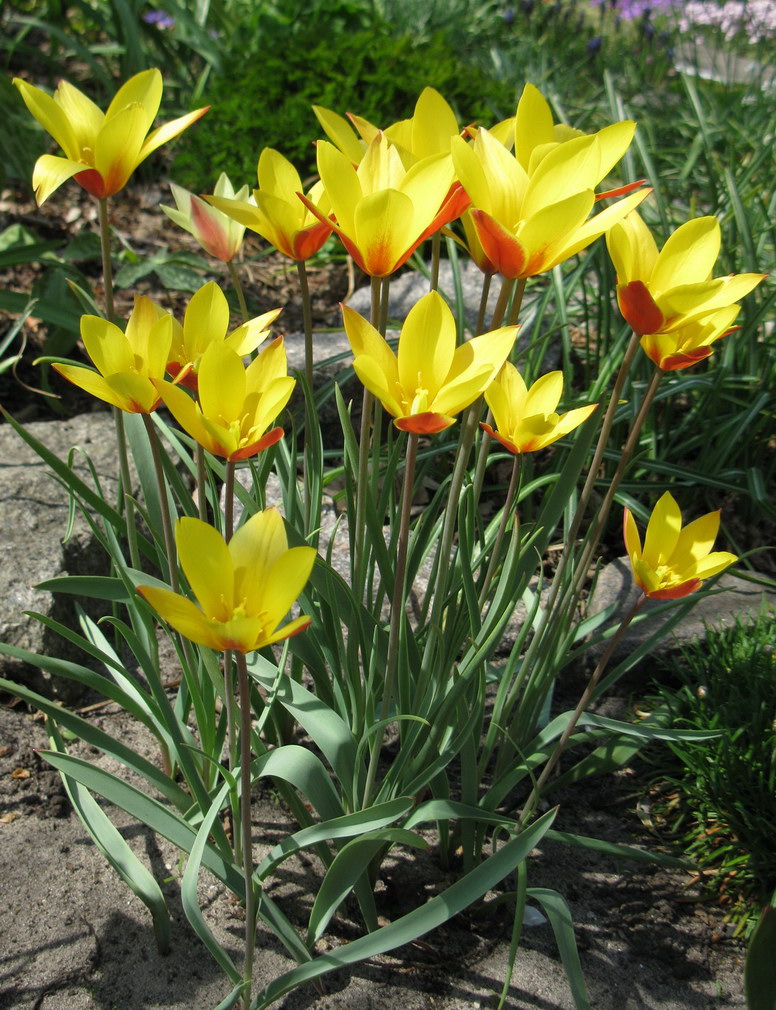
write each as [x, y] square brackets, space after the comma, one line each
[127, 363]
[217, 233]
[206, 321]
[102, 150]
[236, 404]
[531, 208]
[674, 560]
[691, 343]
[243, 589]
[428, 131]
[663, 291]
[382, 210]
[526, 420]
[430, 380]
[296, 229]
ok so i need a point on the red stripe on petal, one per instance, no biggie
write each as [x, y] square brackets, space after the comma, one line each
[639, 308]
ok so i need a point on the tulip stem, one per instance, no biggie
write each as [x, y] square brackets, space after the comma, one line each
[445, 547]
[199, 455]
[231, 732]
[549, 610]
[582, 704]
[304, 289]
[107, 266]
[125, 501]
[436, 249]
[502, 528]
[245, 828]
[486, 281]
[234, 276]
[164, 508]
[398, 612]
[229, 501]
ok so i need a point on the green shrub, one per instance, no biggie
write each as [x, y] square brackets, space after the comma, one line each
[719, 797]
[265, 100]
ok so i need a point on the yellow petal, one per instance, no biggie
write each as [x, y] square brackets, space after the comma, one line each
[277, 176]
[91, 382]
[544, 395]
[168, 131]
[106, 345]
[433, 124]
[341, 183]
[117, 147]
[186, 413]
[426, 345]
[284, 582]
[383, 230]
[662, 531]
[632, 248]
[631, 537]
[221, 384]
[145, 90]
[51, 117]
[49, 174]
[207, 564]
[695, 541]
[254, 549]
[372, 376]
[182, 614]
[341, 133]
[206, 319]
[533, 124]
[689, 254]
[711, 565]
[85, 118]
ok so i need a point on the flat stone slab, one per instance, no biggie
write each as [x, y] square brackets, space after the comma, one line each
[34, 510]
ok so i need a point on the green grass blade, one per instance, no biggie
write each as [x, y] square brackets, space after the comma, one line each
[562, 925]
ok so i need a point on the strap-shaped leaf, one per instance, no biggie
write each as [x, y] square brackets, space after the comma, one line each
[110, 843]
[559, 914]
[419, 921]
[189, 890]
[350, 865]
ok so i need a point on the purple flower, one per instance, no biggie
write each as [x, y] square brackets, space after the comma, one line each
[159, 18]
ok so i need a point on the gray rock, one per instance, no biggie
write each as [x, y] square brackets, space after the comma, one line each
[34, 516]
[615, 587]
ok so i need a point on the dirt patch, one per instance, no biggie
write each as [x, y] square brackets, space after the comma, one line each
[75, 938]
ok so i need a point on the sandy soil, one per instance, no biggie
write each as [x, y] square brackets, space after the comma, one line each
[75, 938]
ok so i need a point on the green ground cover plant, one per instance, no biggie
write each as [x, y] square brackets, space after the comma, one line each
[718, 800]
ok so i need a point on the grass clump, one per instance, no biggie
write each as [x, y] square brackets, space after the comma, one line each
[718, 798]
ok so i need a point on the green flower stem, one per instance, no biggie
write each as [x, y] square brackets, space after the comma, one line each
[480, 327]
[445, 548]
[622, 465]
[436, 249]
[199, 456]
[503, 300]
[582, 704]
[509, 502]
[231, 732]
[107, 267]
[603, 438]
[234, 276]
[304, 289]
[125, 488]
[229, 501]
[560, 611]
[245, 825]
[161, 483]
[398, 612]
[363, 484]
